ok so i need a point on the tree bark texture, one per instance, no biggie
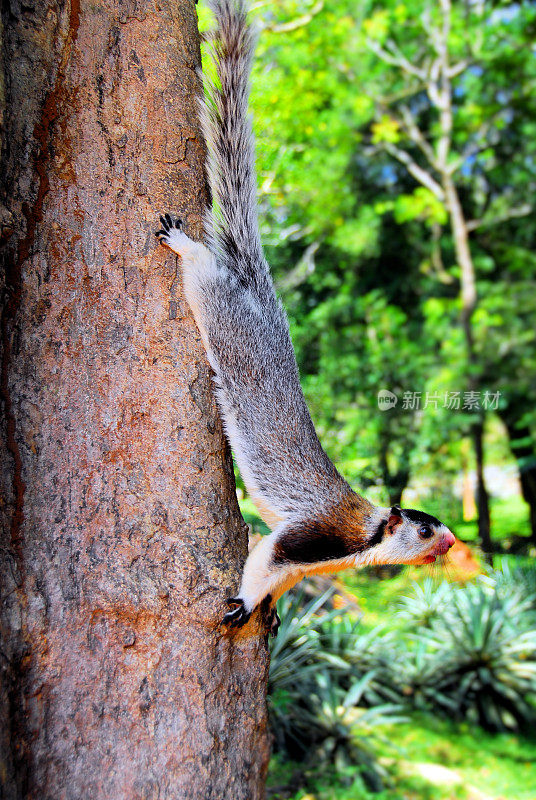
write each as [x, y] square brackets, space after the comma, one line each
[121, 532]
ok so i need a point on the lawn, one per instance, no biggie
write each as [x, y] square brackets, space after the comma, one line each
[426, 759]
[509, 520]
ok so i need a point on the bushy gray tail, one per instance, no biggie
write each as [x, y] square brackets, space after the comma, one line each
[231, 160]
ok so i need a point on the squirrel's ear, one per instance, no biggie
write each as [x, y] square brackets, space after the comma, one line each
[395, 518]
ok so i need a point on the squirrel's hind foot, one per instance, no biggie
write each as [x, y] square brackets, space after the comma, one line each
[237, 616]
[270, 616]
[273, 623]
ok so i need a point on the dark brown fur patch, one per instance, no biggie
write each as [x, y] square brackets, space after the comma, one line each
[378, 535]
[336, 534]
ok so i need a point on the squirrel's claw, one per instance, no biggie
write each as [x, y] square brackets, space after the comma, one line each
[237, 616]
[275, 622]
[168, 223]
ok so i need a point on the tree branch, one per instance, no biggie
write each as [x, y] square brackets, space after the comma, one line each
[511, 213]
[299, 22]
[458, 68]
[420, 174]
[416, 135]
[302, 270]
[396, 59]
[432, 85]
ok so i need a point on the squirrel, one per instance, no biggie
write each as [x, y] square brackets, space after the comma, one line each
[318, 523]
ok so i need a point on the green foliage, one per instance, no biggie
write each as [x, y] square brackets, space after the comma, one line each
[375, 303]
[519, 577]
[426, 602]
[450, 651]
[465, 652]
[474, 654]
[297, 643]
[422, 205]
[377, 306]
[320, 692]
[361, 656]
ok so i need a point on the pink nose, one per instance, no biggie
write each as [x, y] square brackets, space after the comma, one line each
[449, 539]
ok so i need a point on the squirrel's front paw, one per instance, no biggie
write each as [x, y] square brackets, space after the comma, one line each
[238, 616]
[171, 233]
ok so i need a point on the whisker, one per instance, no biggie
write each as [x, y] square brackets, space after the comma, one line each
[429, 570]
[447, 567]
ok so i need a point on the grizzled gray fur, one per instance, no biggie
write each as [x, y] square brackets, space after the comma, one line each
[319, 524]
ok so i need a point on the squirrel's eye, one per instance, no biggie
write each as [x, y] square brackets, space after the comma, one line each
[425, 532]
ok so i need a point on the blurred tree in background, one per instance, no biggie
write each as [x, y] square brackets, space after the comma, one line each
[396, 155]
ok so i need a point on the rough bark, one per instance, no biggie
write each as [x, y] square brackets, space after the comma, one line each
[121, 533]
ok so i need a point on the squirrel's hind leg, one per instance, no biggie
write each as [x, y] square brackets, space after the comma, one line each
[239, 615]
[195, 257]
[262, 583]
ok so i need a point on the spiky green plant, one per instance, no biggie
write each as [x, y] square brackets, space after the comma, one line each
[294, 660]
[341, 730]
[317, 689]
[296, 646]
[479, 658]
[517, 577]
[426, 602]
[357, 653]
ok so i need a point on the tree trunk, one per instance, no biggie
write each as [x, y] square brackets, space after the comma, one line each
[394, 482]
[121, 533]
[482, 497]
[469, 300]
[523, 450]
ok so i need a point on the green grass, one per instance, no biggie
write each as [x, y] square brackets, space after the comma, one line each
[328, 784]
[499, 765]
[509, 517]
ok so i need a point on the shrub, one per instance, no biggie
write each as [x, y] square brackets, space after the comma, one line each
[518, 577]
[357, 653]
[476, 657]
[469, 652]
[319, 689]
[427, 601]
